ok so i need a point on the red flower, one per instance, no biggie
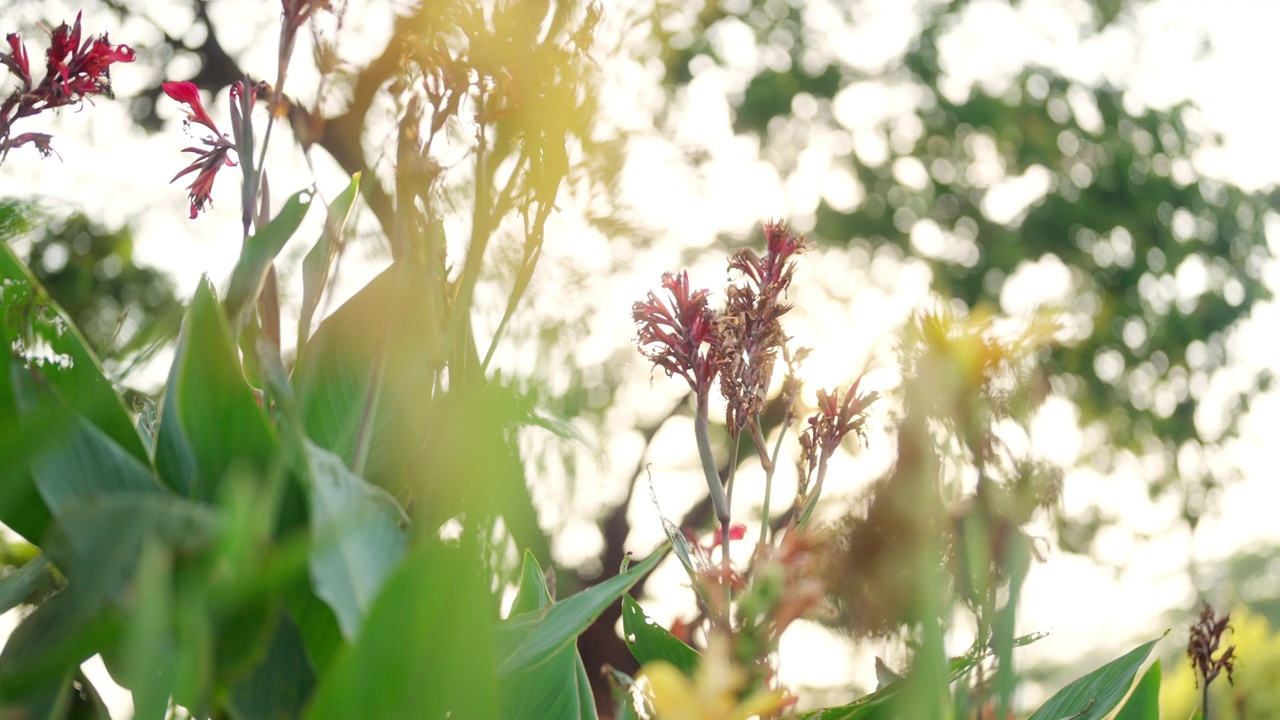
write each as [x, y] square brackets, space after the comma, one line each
[188, 94]
[17, 60]
[736, 532]
[76, 70]
[749, 333]
[833, 421]
[209, 159]
[73, 72]
[208, 162]
[676, 335]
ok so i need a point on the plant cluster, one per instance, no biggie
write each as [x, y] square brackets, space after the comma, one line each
[324, 536]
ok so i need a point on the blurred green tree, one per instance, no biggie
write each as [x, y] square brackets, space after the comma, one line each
[125, 310]
[1163, 262]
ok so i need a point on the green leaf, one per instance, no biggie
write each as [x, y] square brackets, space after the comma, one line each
[358, 538]
[426, 649]
[149, 647]
[881, 703]
[530, 639]
[557, 688]
[533, 594]
[317, 263]
[649, 641]
[83, 462]
[22, 436]
[175, 461]
[315, 622]
[332, 376]
[258, 253]
[1096, 694]
[64, 357]
[278, 687]
[1144, 701]
[40, 340]
[210, 416]
[18, 585]
[98, 543]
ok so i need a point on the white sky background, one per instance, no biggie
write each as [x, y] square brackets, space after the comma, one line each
[852, 301]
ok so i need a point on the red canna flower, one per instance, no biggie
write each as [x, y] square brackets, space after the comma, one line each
[188, 94]
[676, 336]
[749, 333]
[212, 157]
[76, 70]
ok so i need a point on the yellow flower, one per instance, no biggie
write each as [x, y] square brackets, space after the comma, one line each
[712, 692]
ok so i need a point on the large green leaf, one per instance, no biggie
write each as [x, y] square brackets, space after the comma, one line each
[42, 342]
[258, 253]
[316, 623]
[18, 585]
[278, 687]
[358, 538]
[150, 651]
[528, 640]
[884, 702]
[333, 374]
[557, 688]
[62, 354]
[649, 641]
[174, 460]
[98, 542]
[317, 263]
[370, 371]
[83, 462]
[1144, 701]
[426, 648]
[218, 421]
[1096, 694]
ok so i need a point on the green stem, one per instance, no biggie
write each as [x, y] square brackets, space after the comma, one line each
[768, 484]
[812, 501]
[733, 470]
[718, 499]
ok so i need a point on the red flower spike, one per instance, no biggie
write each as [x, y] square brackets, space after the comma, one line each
[62, 42]
[208, 163]
[188, 94]
[17, 59]
[76, 70]
[216, 151]
[676, 336]
[750, 332]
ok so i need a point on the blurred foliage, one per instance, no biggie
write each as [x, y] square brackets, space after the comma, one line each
[125, 310]
[1163, 263]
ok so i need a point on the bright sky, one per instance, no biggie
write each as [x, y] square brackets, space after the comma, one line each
[117, 176]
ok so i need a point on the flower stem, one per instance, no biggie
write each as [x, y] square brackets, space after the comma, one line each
[768, 483]
[718, 500]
